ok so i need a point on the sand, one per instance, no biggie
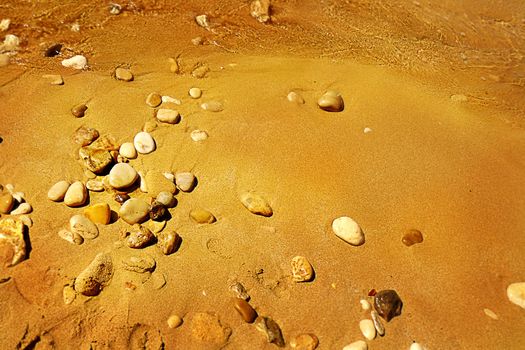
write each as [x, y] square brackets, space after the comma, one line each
[453, 170]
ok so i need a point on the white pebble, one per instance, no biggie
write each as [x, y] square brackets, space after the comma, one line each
[11, 43]
[358, 345]
[26, 220]
[367, 130]
[368, 329]
[127, 150]
[198, 135]
[295, 97]
[10, 188]
[168, 116]
[185, 181]
[76, 195]
[490, 314]
[4, 24]
[143, 186]
[76, 62]
[202, 20]
[122, 175]
[348, 230]
[516, 293]
[23, 208]
[166, 198]
[212, 106]
[365, 305]
[169, 176]
[144, 143]
[416, 346]
[195, 92]
[169, 99]
[58, 191]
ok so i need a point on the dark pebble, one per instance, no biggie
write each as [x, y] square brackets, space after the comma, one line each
[388, 304]
[412, 237]
[79, 110]
[121, 198]
[246, 311]
[157, 211]
[53, 50]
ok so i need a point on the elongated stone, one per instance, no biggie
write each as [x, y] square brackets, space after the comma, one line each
[348, 230]
[246, 311]
[256, 204]
[96, 276]
[57, 192]
[76, 195]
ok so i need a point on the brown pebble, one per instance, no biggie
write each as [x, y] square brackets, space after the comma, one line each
[246, 311]
[153, 100]
[157, 211]
[123, 74]
[79, 110]
[412, 237]
[305, 341]
[121, 197]
[388, 304]
[53, 50]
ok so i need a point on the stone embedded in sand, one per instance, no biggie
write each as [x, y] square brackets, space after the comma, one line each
[206, 327]
[168, 116]
[95, 160]
[75, 62]
[156, 183]
[202, 20]
[174, 321]
[368, 329]
[169, 175]
[95, 186]
[185, 181]
[106, 142]
[143, 186]
[83, 226]
[157, 211]
[11, 43]
[122, 175]
[134, 211]
[195, 92]
[154, 100]
[79, 110]
[416, 346]
[246, 311]
[53, 79]
[138, 237]
[68, 294]
[127, 150]
[304, 341]
[202, 216]
[516, 293]
[123, 74]
[76, 195]
[144, 143]
[57, 192]
[96, 276]
[348, 230]
[198, 135]
[212, 106]
[168, 242]
[412, 237]
[157, 226]
[99, 213]
[140, 264]
[174, 65]
[302, 270]
[84, 136]
[169, 99]
[377, 323]
[71, 237]
[12, 233]
[7, 202]
[23, 208]
[256, 204]
[295, 98]
[260, 10]
[388, 304]
[4, 24]
[331, 101]
[271, 329]
[238, 289]
[167, 199]
[200, 72]
[358, 345]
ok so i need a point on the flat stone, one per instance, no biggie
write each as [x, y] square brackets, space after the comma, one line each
[139, 264]
[516, 293]
[156, 183]
[271, 329]
[295, 98]
[388, 304]
[239, 291]
[195, 92]
[212, 106]
[331, 101]
[23, 208]
[7, 202]
[122, 175]
[12, 233]
[358, 345]
[95, 186]
[185, 181]
[304, 341]
[79, 110]
[96, 276]
[71, 237]
[348, 230]
[99, 213]
[123, 74]
[412, 237]
[174, 321]
[377, 323]
[246, 311]
[256, 204]
[168, 116]
[134, 211]
[202, 216]
[106, 142]
[54, 79]
[83, 226]
[168, 242]
[206, 327]
[154, 99]
[75, 62]
[76, 195]
[167, 199]
[127, 150]
[84, 136]
[138, 236]
[302, 270]
[198, 135]
[143, 185]
[367, 329]
[95, 160]
[144, 143]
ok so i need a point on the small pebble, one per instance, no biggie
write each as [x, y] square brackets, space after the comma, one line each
[271, 329]
[168, 116]
[302, 270]
[76, 195]
[377, 323]
[134, 211]
[412, 237]
[54, 79]
[157, 211]
[53, 50]
[212, 106]
[95, 186]
[4, 24]
[202, 20]
[516, 294]
[7, 202]
[260, 10]
[388, 304]
[154, 99]
[416, 346]
[23, 208]
[71, 237]
[115, 9]
[76, 62]
[240, 292]
[99, 213]
[490, 314]
[168, 242]
[84, 136]
[365, 305]
[80, 224]
[202, 216]
[195, 92]
[174, 65]
[123, 74]
[138, 236]
[11, 43]
[368, 329]
[174, 321]
[26, 220]
[144, 143]
[358, 345]
[68, 294]
[295, 98]
[95, 160]
[256, 204]
[169, 99]
[198, 135]
[127, 150]
[348, 230]
[140, 264]
[367, 130]
[122, 175]
[185, 181]
[57, 192]
[200, 72]
[97, 275]
[305, 341]
[246, 311]
[79, 110]
[331, 101]
[157, 226]
[167, 199]
[121, 197]
[170, 176]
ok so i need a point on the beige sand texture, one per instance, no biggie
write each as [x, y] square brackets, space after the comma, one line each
[452, 169]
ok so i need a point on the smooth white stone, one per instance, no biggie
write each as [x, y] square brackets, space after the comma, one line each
[144, 143]
[169, 176]
[57, 192]
[122, 175]
[168, 116]
[23, 208]
[358, 345]
[169, 99]
[127, 150]
[368, 329]
[195, 92]
[185, 181]
[166, 198]
[516, 293]
[19, 196]
[134, 211]
[76, 195]
[198, 135]
[81, 225]
[295, 97]
[4, 24]
[348, 230]
[367, 130]
[26, 220]
[76, 62]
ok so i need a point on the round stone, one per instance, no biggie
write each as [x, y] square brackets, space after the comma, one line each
[348, 230]
[295, 98]
[195, 92]
[256, 204]
[84, 136]
[202, 216]
[79, 110]
[305, 341]
[134, 210]
[7, 202]
[99, 213]
[365, 304]
[154, 99]
[127, 150]
[144, 143]
[76, 195]
[358, 345]
[168, 116]
[331, 101]
[122, 175]
[168, 242]
[412, 237]
[174, 321]
[167, 199]
[246, 311]
[81, 225]
[198, 135]
[57, 192]
[185, 181]
[123, 74]
[516, 293]
[302, 270]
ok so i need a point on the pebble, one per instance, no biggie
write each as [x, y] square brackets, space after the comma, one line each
[123, 74]
[95, 186]
[200, 72]
[302, 270]
[18, 196]
[95, 160]
[23, 208]
[412, 237]
[348, 230]
[358, 345]
[140, 264]
[115, 9]
[106, 142]
[157, 211]
[84, 136]
[127, 150]
[149, 126]
[195, 92]
[377, 323]
[185, 181]
[271, 329]
[490, 314]
[516, 293]
[202, 216]
[365, 305]
[368, 329]
[68, 294]
[331, 101]
[198, 135]
[7, 202]
[305, 341]
[157, 226]
[246, 311]
[71, 237]
[198, 40]
[79, 110]
[12, 232]
[167, 199]
[53, 50]
[122, 175]
[168, 116]
[26, 220]
[154, 100]
[76, 62]
[54, 79]
[134, 210]
[82, 225]
[11, 43]
[138, 237]
[4, 24]
[144, 143]
[143, 185]
[207, 327]
[169, 99]
[240, 292]
[99, 213]
[168, 242]
[96, 276]
[388, 304]
[212, 106]
[76, 195]
[174, 321]
[295, 97]
[174, 65]
[256, 204]
[121, 198]
[260, 10]
[202, 20]
[156, 183]
[367, 130]
[168, 175]
[416, 346]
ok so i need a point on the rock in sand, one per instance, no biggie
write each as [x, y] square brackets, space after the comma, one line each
[302, 270]
[331, 101]
[516, 293]
[271, 329]
[134, 211]
[358, 345]
[348, 230]
[412, 237]
[7, 202]
[212, 106]
[388, 304]
[84, 136]
[195, 92]
[246, 311]
[154, 100]
[80, 224]
[123, 74]
[71, 237]
[96, 276]
[168, 116]
[198, 135]
[174, 321]
[76, 195]
[185, 181]
[99, 213]
[304, 341]
[168, 242]
[79, 110]
[122, 175]
[127, 150]
[256, 204]
[202, 216]
[75, 62]
[368, 329]
[167, 199]
[23, 208]
[95, 160]
[144, 143]
[138, 237]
